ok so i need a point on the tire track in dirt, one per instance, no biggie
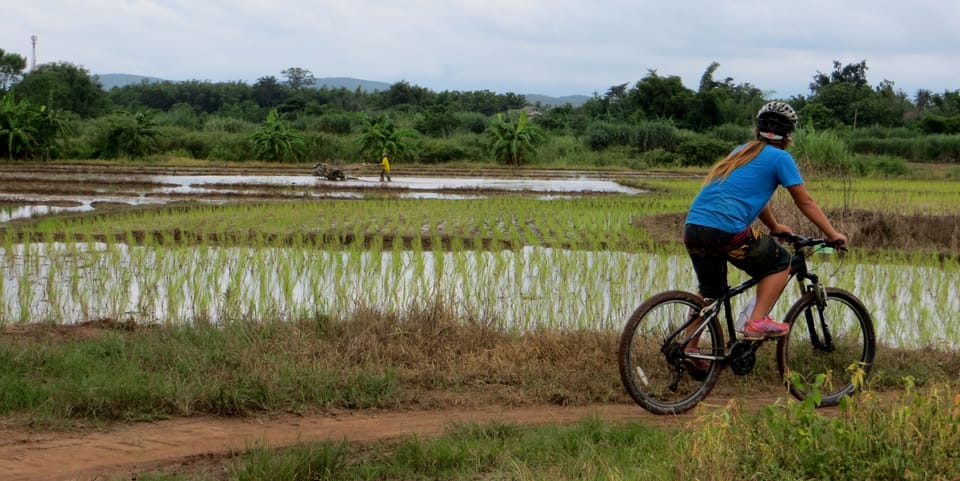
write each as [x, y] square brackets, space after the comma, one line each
[127, 449]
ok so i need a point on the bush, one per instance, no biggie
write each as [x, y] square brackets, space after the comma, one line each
[821, 151]
[436, 151]
[700, 150]
[659, 157]
[916, 434]
[650, 135]
[189, 143]
[323, 147]
[732, 133]
[597, 138]
[335, 123]
[936, 124]
[884, 165]
[127, 135]
[563, 149]
[941, 148]
[228, 124]
[473, 122]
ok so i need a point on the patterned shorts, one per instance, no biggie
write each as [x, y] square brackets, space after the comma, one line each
[750, 250]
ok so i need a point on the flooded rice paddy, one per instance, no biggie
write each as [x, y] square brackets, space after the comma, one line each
[524, 289]
[28, 194]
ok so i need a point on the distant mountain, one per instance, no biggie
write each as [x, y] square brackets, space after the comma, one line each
[351, 84]
[112, 80]
[575, 100]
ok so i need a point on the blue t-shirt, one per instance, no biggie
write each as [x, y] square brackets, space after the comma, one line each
[732, 204]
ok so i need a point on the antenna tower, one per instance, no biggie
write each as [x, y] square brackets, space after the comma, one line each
[33, 59]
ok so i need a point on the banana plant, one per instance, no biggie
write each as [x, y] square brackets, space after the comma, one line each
[277, 142]
[514, 141]
[381, 134]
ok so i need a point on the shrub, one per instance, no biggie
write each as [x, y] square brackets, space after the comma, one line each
[324, 147]
[659, 157]
[941, 148]
[821, 151]
[936, 124]
[127, 135]
[732, 133]
[435, 151]
[700, 150]
[596, 138]
[650, 135]
[473, 122]
[228, 124]
[335, 123]
[869, 439]
[562, 149]
[884, 165]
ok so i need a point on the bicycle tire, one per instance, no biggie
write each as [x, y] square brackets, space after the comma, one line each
[853, 340]
[645, 370]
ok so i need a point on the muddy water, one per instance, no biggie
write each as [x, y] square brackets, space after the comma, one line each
[25, 193]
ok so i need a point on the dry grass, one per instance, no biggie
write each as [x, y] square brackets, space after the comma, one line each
[442, 359]
[872, 230]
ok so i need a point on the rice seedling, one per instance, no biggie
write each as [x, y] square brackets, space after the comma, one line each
[567, 263]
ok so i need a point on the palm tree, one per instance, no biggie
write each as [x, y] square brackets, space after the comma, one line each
[514, 142]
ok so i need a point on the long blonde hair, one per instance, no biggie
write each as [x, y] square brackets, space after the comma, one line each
[740, 157]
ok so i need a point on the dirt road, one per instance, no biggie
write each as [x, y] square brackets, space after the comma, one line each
[126, 450]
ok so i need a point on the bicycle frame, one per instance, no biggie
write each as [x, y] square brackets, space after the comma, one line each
[830, 330]
[798, 270]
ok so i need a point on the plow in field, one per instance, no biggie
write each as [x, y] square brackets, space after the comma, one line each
[334, 172]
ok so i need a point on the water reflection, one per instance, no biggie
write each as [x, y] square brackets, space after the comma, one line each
[8, 213]
[136, 189]
[525, 289]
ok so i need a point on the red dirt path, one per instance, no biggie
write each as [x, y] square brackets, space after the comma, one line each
[123, 451]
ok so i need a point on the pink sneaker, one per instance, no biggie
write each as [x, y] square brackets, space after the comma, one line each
[756, 329]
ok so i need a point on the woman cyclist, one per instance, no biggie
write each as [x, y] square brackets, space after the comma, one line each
[736, 192]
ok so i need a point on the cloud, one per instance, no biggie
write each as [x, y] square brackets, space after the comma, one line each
[526, 46]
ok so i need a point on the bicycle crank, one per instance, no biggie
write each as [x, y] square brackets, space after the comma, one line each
[743, 356]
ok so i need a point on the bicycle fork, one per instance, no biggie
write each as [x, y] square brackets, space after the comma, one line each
[822, 341]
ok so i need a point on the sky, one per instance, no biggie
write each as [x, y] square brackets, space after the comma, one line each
[549, 47]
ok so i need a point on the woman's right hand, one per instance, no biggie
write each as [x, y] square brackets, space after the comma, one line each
[838, 238]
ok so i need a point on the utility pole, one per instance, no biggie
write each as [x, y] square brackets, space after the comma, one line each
[33, 59]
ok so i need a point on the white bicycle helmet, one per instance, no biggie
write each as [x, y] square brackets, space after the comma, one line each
[776, 120]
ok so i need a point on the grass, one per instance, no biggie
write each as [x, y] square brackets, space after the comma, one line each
[105, 371]
[591, 449]
[424, 356]
[914, 436]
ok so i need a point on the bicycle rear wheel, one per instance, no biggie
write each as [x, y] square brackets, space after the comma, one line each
[837, 341]
[658, 375]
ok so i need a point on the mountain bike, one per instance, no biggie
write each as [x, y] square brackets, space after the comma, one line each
[672, 348]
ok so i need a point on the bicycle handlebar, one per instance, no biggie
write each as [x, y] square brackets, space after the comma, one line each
[799, 241]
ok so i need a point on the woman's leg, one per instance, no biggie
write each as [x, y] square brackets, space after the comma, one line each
[768, 291]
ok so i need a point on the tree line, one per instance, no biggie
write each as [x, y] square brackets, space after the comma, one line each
[61, 111]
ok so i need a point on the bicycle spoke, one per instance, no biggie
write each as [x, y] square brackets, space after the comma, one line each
[836, 340]
[659, 376]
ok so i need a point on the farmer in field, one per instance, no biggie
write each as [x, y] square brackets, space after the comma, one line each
[736, 192]
[384, 168]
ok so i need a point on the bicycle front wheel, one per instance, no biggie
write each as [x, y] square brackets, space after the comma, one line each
[655, 370]
[836, 339]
